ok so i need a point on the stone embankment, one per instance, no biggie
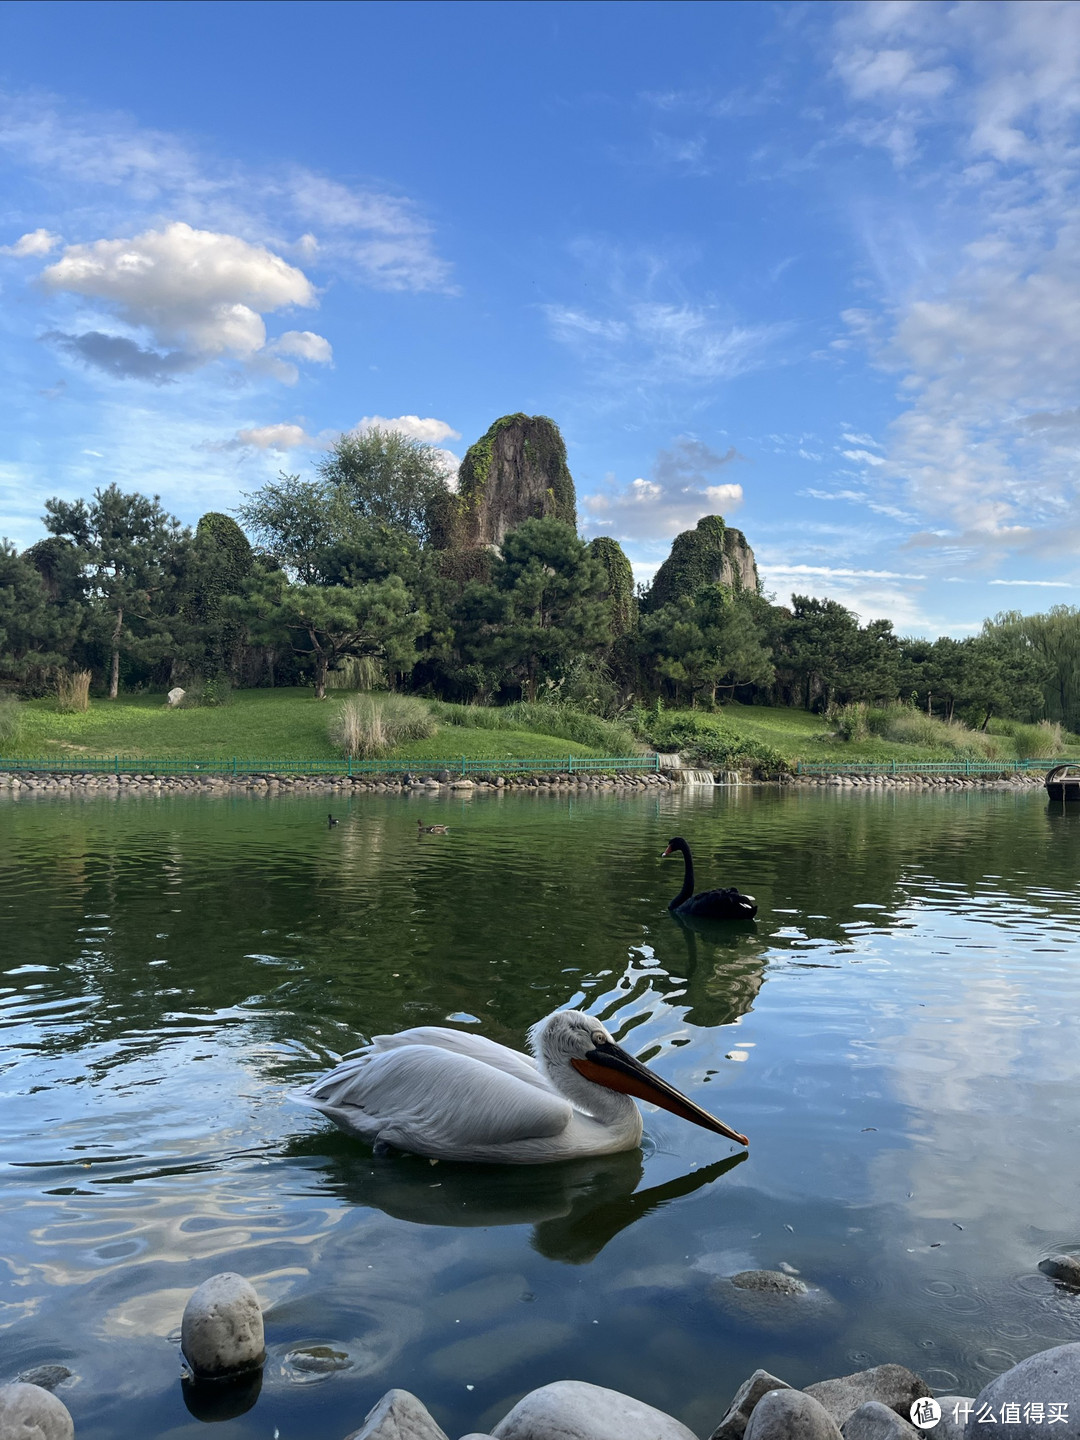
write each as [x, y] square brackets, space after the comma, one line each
[1022, 780]
[78, 783]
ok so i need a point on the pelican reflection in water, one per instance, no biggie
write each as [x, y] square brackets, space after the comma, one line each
[450, 1095]
[575, 1208]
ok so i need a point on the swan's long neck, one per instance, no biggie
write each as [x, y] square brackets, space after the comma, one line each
[688, 878]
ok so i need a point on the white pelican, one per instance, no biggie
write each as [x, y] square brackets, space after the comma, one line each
[454, 1096]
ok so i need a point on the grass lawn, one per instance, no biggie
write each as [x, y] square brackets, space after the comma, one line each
[257, 725]
[799, 735]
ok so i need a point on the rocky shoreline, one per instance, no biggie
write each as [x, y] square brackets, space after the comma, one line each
[277, 783]
[79, 782]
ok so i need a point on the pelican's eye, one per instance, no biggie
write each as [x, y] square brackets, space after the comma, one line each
[599, 1039]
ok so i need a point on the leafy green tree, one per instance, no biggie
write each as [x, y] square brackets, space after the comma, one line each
[1053, 639]
[544, 607]
[220, 562]
[710, 640]
[131, 553]
[326, 623]
[386, 478]
[36, 632]
[294, 522]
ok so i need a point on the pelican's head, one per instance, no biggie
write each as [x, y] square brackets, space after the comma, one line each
[570, 1039]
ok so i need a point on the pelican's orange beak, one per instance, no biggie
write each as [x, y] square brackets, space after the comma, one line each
[614, 1068]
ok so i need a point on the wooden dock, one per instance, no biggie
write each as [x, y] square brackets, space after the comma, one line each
[1063, 782]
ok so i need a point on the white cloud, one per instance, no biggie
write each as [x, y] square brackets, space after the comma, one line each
[37, 242]
[198, 294]
[840, 573]
[1042, 584]
[862, 457]
[194, 289]
[272, 437]
[303, 345]
[429, 430]
[676, 497]
[980, 318]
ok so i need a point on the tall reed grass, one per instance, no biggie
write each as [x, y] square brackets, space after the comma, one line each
[367, 726]
[357, 672]
[73, 691]
[10, 719]
[1042, 741]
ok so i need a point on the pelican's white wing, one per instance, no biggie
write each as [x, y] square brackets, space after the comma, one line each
[477, 1047]
[438, 1102]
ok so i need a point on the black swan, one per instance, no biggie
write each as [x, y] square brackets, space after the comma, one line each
[710, 904]
[330, 822]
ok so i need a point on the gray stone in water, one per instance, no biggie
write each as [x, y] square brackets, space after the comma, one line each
[576, 1410]
[399, 1415]
[790, 1415]
[892, 1385]
[874, 1421]
[1050, 1377]
[27, 1412]
[734, 1423]
[955, 1411]
[174, 696]
[1065, 1268]
[773, 1281]
[222, 1329]
[47, 1376]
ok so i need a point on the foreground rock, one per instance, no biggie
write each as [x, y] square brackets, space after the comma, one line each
[955, 1410]
[790, 1415]
[1065, 1268]
[891, 1385]
[399, 1415]
[773, 1282]
[1050, 1378]
[575, 1410]
[222, 1330]
[27, 1412]
[874, 1421]
[47, 1376]
[734, 1423]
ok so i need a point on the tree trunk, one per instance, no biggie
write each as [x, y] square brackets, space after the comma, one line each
[270, 665]
[320, 676]
[114, 673]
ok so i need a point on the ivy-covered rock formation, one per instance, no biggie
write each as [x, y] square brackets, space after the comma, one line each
[619, 589]
[516, 472]
[712, 553]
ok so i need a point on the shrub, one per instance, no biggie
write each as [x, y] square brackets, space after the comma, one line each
[367, 726]
[207, 694]
[706, 741]
[850, 721]
[10, 719]
[73, 692]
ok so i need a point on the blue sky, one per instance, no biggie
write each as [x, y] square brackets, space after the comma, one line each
[813, 267]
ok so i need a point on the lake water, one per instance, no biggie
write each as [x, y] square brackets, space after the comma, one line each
[898, 1036]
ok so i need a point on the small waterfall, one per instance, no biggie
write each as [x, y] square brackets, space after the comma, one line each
[729, 777]
[697, 777]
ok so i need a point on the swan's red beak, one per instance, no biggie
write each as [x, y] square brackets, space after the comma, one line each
[614, 1068]
[667, 852]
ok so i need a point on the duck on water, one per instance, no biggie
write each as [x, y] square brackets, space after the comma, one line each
[729, 904]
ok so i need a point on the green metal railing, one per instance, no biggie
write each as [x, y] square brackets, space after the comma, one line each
[459, 765]
[928, 767]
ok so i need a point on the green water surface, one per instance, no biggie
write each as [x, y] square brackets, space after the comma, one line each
[897, 1035]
